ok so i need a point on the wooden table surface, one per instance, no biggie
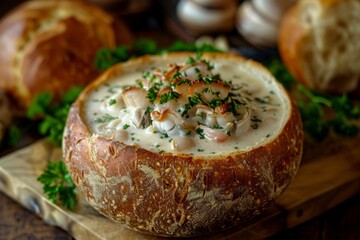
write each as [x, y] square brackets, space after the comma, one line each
[16, 222]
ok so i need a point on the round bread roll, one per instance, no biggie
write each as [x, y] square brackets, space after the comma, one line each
[173, 145]
[319, 44]
[51, 46]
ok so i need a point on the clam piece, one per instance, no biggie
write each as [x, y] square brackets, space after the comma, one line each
[140, 118]
[169, 75]
[180, 143]
[214, 134]
[109, 126]
[135, 97]
[181, 85]
[210, 118]
[223, 119]
[244, 124]
[205, 115]
[170, 121]
[115, 104]
[120, 135]
[192, 72]
[210, 91]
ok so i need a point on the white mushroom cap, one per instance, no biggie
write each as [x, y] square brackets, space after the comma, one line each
[200, 20]
[258, 20]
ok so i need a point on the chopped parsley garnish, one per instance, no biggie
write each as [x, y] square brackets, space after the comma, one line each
[193, 100]
[153, 92]
[200, 132]
[145, 74]
[112, 102]
[261, 100]
[170, 95]
[163, 135]
[255, 122]
[126, 126]
[211, 79]
[104, 119]
[191, 61]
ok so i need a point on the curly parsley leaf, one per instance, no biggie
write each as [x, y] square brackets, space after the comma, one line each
[106, 58]
[320, 112]
[278, 69]
[58, 185]
[52, 114]
[40, 105]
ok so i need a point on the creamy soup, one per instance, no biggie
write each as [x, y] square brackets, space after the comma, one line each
[194, 106]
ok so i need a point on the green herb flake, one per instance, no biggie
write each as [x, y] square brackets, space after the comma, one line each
[255, 122]
[200, 132]
[171, 95]
[163, 135]
[112, 102]
[104, 119]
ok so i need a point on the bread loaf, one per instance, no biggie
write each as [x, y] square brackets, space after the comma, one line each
[319, 43]
[176, 146]
[51, 46]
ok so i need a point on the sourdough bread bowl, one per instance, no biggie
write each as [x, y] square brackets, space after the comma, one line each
[173, 145]
[51, 46]
[319, 43]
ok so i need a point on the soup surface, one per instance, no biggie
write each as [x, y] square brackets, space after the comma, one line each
[195, 106]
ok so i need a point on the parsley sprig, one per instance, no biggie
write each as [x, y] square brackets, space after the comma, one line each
[320, 113]
[52, 113]
[58, 185]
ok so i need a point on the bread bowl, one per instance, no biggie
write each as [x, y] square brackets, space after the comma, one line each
[174, 166]
[51, 46]
[319, 44]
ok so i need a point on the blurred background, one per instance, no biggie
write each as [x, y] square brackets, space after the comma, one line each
[247, 27]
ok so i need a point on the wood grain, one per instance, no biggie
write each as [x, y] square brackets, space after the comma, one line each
[329, 174]
[21, 223]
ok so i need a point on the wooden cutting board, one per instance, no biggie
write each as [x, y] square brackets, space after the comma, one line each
[328, 175]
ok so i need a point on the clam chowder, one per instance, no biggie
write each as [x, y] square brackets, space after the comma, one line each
[194, 106]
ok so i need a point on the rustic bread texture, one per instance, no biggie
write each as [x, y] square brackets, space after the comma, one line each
[51, 46]
[319, 43]
[179, 194]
